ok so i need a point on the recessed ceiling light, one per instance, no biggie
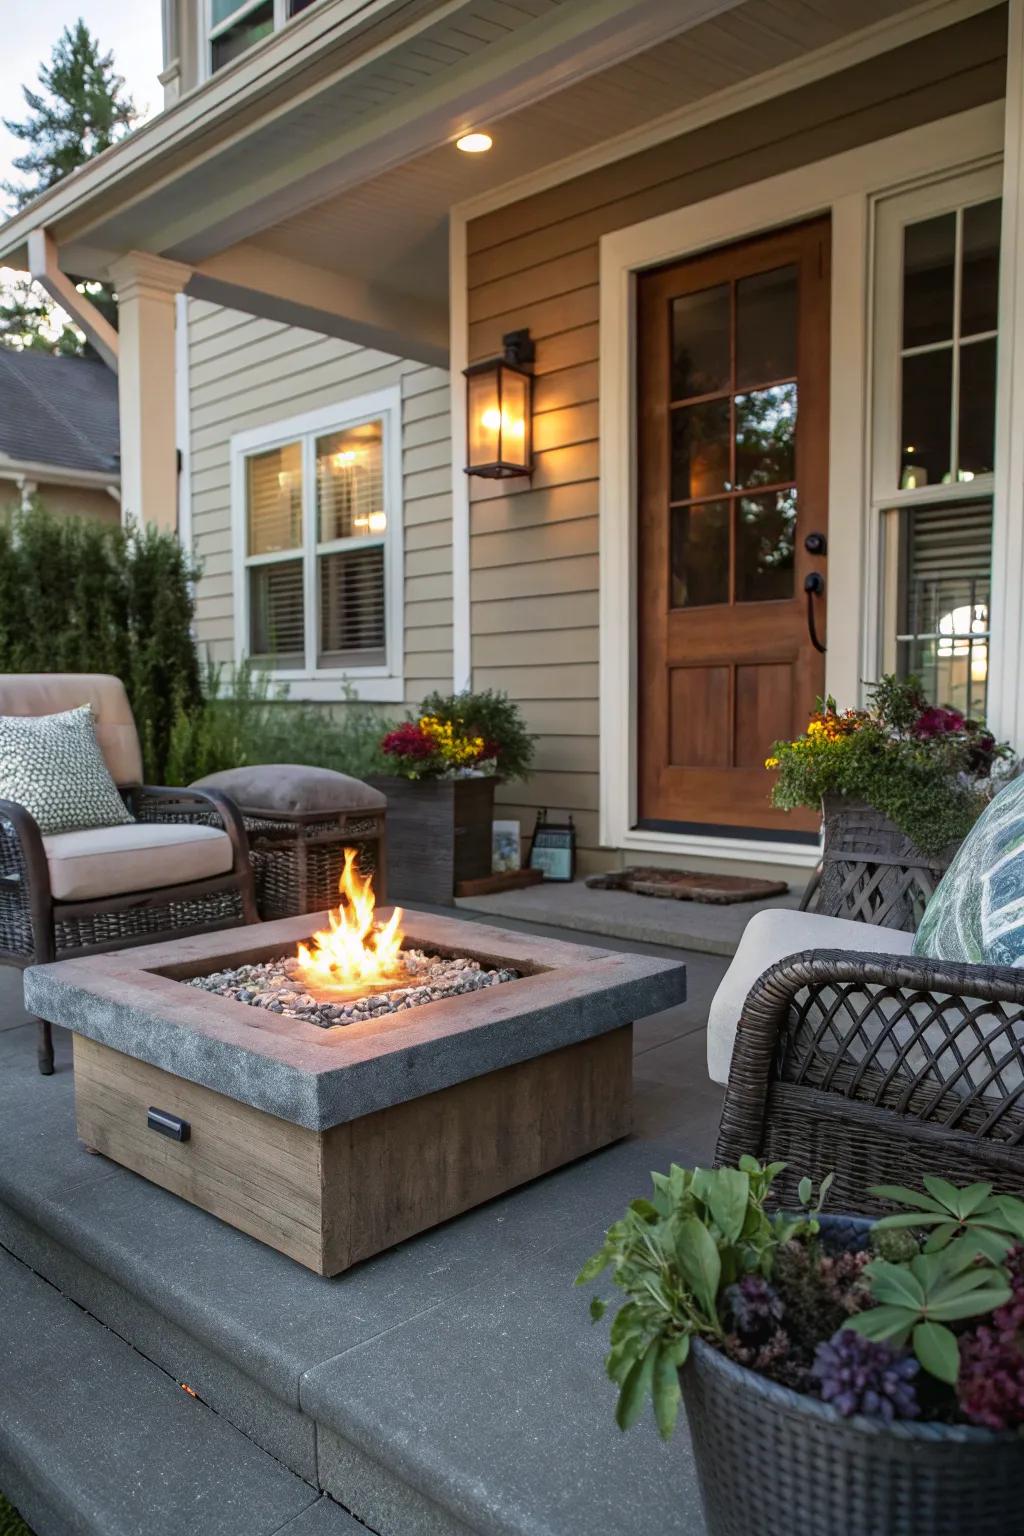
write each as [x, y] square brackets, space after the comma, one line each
[474, 143]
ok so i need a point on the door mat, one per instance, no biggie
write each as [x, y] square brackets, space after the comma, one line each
[687, 885]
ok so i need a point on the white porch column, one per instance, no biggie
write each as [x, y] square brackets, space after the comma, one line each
[1006, 683]
[146, 290]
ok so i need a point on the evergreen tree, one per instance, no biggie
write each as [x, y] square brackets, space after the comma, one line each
[80, 110]
[29, 322]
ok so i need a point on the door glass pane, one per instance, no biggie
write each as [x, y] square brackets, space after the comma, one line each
[274, 500]
[766, 327]
[980, 282]
[700, 449]
[766, 436]
[927, 401]
[977, 408]
[276, 632]
[928, 261]
[352, 608]
[943, 634]
[700, 342]
[765, 539]
[350, 483]
[699, 555]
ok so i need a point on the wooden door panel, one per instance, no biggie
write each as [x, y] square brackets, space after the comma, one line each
[764, 710]
[733, 475]
[699, 707]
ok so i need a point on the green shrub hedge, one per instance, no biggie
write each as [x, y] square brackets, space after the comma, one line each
[81, 596]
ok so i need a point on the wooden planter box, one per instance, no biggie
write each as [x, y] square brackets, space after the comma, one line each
[438, 835]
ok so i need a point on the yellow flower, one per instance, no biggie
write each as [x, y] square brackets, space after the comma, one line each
[815, 728]
[771, 762]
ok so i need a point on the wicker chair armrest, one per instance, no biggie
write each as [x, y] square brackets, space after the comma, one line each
[26, 878]
[207, 807]
[907, 986]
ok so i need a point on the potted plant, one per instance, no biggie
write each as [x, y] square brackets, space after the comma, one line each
[839, 1375]
[900, 784]
[445, 764]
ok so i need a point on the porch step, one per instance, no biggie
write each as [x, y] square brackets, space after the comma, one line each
[95, 1440]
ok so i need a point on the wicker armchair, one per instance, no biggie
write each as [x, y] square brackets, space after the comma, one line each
[879, 1069]
[66, 894]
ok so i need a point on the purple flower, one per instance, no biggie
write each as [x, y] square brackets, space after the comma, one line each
[937, 721]
[990, 1387]
[754, 1307]
[860, 1375]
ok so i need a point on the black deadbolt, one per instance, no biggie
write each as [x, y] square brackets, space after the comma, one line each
[816, 544]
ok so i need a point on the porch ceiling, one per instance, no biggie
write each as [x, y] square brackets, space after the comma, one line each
[312, 181]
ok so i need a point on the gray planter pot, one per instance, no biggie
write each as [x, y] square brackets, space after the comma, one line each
[771, 1461]
[871, 871]
[438, 834]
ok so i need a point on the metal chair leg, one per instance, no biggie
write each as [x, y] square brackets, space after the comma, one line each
[45, 1047]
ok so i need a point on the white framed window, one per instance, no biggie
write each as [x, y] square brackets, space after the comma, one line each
[317, 541]
[231, 27]
[936, 287]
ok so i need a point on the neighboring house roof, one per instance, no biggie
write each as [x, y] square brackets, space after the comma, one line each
[59, 411]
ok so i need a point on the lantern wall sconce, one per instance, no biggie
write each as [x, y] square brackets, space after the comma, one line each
[499, 411]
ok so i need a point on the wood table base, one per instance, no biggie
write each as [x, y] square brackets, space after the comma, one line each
[330, 1198]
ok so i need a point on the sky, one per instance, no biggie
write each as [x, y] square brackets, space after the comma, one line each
[128, 28]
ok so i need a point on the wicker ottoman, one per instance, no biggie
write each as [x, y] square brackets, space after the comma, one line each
[300, 820]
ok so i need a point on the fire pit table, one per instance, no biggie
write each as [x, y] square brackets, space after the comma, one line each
[334, 1143]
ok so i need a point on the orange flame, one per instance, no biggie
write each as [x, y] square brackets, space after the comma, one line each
[354, 953]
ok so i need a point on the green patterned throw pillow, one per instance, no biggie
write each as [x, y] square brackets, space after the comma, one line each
[977, 913]
[53, 766]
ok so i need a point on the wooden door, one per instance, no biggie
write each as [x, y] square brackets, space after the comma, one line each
[733, 477]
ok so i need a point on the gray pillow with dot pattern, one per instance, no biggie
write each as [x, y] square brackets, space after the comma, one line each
[53, 766]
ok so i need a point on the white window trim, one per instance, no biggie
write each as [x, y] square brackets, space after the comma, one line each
[845, 186]
[891, 215]
[376, 684]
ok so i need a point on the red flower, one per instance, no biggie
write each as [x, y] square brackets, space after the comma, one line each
[408, 741]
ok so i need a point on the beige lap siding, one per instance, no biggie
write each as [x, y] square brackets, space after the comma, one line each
[534, 546]
[246, 372]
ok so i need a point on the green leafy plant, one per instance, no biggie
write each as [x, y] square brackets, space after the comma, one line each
[701, 1231]
[926, 767]
[81, 596]
[925, 1317]
[495, 718]
[249, 719]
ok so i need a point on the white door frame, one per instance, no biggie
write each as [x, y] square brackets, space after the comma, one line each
[844, 186]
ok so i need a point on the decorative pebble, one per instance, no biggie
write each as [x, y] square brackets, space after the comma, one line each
[272, 986]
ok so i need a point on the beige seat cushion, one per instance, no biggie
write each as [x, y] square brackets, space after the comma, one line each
[108, 861]
[769, 937]
[293, 789]
[51, 693]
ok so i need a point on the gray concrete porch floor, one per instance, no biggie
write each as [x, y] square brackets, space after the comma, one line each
[637, 921]
[450, 1387]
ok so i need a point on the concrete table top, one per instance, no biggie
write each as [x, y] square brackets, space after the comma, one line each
[136, 1001]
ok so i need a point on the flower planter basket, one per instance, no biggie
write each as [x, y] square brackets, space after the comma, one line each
[439, 834]
[871, 871]
[770, 1460]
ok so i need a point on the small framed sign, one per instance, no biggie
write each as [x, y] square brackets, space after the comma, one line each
[553, 848]
[505, 854]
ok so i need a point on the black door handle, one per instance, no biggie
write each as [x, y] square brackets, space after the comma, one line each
[814, 586]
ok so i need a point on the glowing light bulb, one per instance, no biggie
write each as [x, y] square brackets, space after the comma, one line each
[474, 143]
